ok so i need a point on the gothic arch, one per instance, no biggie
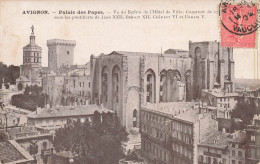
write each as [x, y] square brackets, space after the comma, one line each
[135, 88]
[116, 83]
[163, 86]
[104, 80]
[67, 101]
[62, 101]
[78, 101]
[150, 79]
[172, 85]
[196, 72]
[82, 102]
[177, 75]
[188, 85]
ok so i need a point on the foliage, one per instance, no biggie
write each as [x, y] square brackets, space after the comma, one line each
[3, 136]
[31, 98]
[245, 110]
[10, 73]
[33, 90]
[95, 142]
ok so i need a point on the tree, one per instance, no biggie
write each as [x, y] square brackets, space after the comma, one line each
[9, 73]
[94, 142]
[31, 99]
[245, 110]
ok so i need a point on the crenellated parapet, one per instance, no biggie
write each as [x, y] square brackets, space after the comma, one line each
[61, 42]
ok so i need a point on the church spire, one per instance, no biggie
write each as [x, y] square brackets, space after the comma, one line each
[32, 37]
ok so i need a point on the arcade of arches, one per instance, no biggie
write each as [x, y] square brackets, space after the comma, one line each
[113, 79]
[71, 101]
[170, 85]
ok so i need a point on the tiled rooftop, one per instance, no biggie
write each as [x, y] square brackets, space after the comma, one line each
[126, 53]
[220, 93]
[12, 152]
[69, 111]
[191, 116]
[32, 46]
[172, 108]
[186, 111]
[217, 140]
[239, 136]
[221, 140]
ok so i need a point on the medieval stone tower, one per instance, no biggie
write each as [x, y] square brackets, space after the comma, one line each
[212, 66]
[60, 53]
[31, 67]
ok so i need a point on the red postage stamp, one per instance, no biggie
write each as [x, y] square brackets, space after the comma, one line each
[239, 25]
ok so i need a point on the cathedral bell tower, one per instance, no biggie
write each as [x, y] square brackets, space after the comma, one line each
[32, 55]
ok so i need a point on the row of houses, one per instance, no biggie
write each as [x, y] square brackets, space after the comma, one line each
[186, 133]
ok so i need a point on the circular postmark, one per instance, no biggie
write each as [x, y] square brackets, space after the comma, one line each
[240, 18]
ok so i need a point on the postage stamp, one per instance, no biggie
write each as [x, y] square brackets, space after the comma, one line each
[239, 25]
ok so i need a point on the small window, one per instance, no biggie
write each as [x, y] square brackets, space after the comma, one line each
[233, 153]
[44, 146]
[252, 138]
[68, 52]
[240, 154]
[135, 113]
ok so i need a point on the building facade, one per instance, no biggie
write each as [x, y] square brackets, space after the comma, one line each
[218, 98]
[31, 67]
[211, 65]
[11, 152]
[68, 89]
[124, 81]
[222, 148]
[171, 132]
[60, 53]
[37, 143]
[57, 117]
[253, 142]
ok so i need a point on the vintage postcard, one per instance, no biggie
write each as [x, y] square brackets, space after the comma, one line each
[129, 82]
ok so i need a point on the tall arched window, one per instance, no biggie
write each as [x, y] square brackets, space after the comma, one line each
[150, 86]
[116, 83]
[104, 84]
[163, 86]
[188, 85]
[216, 66]
[172, 86]
[74, 83]
[196, 72]
[135, 118]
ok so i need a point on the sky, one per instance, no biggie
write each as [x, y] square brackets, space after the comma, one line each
[104, 36]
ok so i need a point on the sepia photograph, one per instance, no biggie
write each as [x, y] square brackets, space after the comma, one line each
[129, 82]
